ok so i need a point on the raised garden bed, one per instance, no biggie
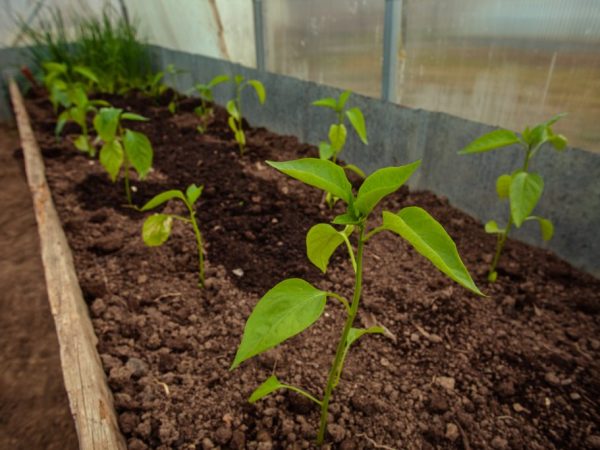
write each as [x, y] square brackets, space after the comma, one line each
[517, 369]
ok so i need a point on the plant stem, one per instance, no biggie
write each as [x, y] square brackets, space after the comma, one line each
[127, 188]
[499, 247]
[341, 347]
[199, 243]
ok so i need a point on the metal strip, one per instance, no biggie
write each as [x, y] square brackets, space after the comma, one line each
[391, 31]
[259, 40]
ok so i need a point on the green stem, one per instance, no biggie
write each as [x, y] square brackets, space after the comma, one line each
[341, 347]
[127, 187]
[342, 300]
[373, 232]
[199, 243]
[350, 251]
[499, 247]
[301, 392]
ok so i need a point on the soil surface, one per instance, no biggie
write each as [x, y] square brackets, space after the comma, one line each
[517, 369]
[34, 410]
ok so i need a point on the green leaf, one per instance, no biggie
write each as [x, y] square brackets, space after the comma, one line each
[381, 183]
[270, 385]
[346, 219]
[325, 150]
[356, 333]
[492, 228]
[193, 193]
[139, 151]
[319, 173]
[554, 119]
[240, 137]
[321, 241]
[172, 107]
[232, 110]
[357, 120]
[286, 310]
[558, 141]
[163, 197]
[83, 144]
[430, 239]
[503, 185]
[232, 124]
[238, 79]
[106, 122]
[86, 73]
[357, 170]
[111, 157]
[62, 120]
[491, 141]
[133, 116]
[525, 192]
[327, 102]
[218, 80]
[341, 103]
[157, 229]
[260, 90]
[546, 227]
[337, 136]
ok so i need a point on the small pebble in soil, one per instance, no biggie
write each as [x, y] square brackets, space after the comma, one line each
[336, 432]
[446, 382]
[452, 432]
[552, 379]
[238, 272]
[499, 443]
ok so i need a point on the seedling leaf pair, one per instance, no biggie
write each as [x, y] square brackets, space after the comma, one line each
[234, 108]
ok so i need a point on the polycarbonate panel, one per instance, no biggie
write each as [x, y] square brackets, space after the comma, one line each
[333, 42]
[509, 63]
[217, 28]
[32, 11]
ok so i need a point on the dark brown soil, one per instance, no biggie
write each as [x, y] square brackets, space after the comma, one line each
[515, 370]
[34, 410]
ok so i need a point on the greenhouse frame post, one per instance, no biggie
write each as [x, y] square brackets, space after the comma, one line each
[259, 36]
[391, 30]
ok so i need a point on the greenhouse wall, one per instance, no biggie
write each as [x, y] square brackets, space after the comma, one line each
[429, 75]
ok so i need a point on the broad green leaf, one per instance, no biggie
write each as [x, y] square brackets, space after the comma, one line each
[139, 151]
[356, 333]
[78, 115]
[554, 119]
[106, 122]
[337, 136]
[232, 110]
[491, 141]
[492, 228]
[78, 96]
[133, 116]
[232, 124]
[558, 141]
[321, 241]
[357, 170]
[86, 72]
[525, 192]
[319, 173]
[341, 103]
[546, 227]
[357, 120]
[503, 185]
[157, 229]
[325, 150]
[83, 144]
[538, 136]
[287, 309]
[62, 120]
[192, 193]
[111, 157]
[218, 80]
[346, 219]
[260, 90]
[161, 198]
[55, 67]
[381, 183]
[270, 385]
[327, 102]
[430, 239]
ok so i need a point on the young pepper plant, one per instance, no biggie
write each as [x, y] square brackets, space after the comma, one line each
[157, 228]
[122, 147]
[294, 304]
[205, 92]
[78, 113]
[234, 108]
[522, 188]
[64, 82]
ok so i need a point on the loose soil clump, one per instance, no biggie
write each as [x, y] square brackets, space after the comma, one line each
[515, 370]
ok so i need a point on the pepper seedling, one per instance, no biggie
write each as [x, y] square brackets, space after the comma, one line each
[78, 113]
[155, 86]
[234, 108]
[294, 304]
[522, 188]
[157, 228]
[205, 92]
[64, 82]
[122, 147]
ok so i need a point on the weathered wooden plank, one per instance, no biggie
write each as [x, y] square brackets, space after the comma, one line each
[90, 399]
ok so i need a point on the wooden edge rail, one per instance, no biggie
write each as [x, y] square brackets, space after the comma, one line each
[90, 398]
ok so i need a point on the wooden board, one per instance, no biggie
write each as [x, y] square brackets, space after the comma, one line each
[90, 399]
